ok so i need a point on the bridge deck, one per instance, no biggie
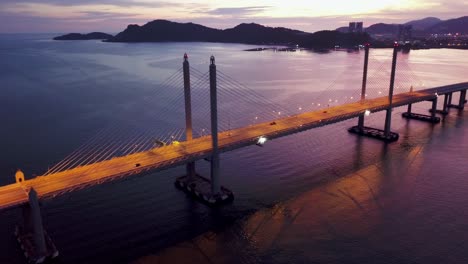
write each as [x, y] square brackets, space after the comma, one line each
[169, 156]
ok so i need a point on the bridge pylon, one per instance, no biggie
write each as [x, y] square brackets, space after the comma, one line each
[386, 135]
[364, 83]
[210, 190]
[190, 167]
[36, 244]
[215, 185]
[388, 114]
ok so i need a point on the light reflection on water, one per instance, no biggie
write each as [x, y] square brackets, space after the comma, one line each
[323, 195]
[381, 213]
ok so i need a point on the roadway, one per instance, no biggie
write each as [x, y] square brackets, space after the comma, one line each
[14, 195]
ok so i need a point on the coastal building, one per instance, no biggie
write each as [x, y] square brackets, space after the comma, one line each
[355, 27]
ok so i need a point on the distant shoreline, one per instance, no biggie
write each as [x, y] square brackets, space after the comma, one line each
[322, 50]
[158, 31]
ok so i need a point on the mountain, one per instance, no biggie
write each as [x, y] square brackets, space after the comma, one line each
[381, 28]
[423, 27]
[163, 31]
[424, 24]
[78, 36]
[258, 34]
[343, 29]
[457, 25]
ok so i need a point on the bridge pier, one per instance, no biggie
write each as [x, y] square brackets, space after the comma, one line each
[36, 244]
[426, 118]
[461, 103]
[385, 135]
[210, 190]
[444, 110]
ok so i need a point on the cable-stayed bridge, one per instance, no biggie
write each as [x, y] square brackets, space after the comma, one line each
[110, 155]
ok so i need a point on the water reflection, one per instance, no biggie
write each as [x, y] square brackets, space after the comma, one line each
[330, 216]
[368, 216]
[318, 196]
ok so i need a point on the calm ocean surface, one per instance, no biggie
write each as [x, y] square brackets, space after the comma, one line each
[321, 196]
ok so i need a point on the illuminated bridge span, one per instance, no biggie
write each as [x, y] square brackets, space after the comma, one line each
[199, 148]
[25, 193]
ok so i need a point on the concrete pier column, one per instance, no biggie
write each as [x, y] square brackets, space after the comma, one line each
[434, 109]
[461, 103]
[364, 83]
[33, 223]
[215, 183]
[188, 114]
[410, 106]
[450, 98]
[388, 118]
[445, 106]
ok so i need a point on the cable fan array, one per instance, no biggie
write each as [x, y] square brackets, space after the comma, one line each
[158, 119]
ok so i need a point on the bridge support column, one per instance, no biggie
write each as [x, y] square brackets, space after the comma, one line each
[219, 194]
[364, 84]
[434, 109]
[444, 110]
[388, 117]
[215, 185]
[431, 119]
[461, 103]
[385, 135]
[210, 190]
[190, 167]
[33, 239]
[445, 105]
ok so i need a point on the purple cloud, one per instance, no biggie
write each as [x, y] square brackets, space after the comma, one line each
[237, 11]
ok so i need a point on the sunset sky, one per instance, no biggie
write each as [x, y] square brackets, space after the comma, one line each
[57, 16]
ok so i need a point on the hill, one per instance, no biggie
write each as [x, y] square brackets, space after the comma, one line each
[457, 25]
[78, 36]
[166, 31]
[257, 34]
[382, 28]
[421, 28]
[424, 24]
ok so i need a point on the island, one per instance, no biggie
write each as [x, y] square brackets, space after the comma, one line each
[89, 36]
[425, 33]
[252, 33]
